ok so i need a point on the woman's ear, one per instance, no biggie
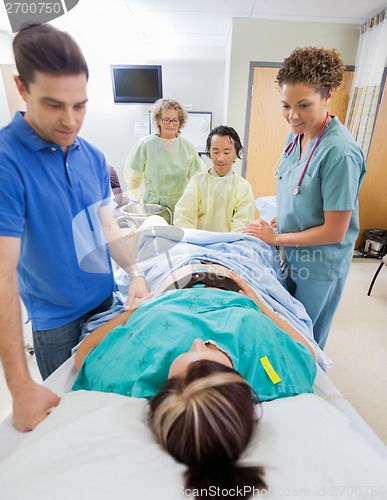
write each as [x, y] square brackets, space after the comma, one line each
[329, 96]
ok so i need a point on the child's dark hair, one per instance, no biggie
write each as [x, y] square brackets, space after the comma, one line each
[231, 133]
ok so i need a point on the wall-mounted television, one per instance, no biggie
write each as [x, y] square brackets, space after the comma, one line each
[136, 83]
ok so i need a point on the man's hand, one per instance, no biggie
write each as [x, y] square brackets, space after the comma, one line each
[138, 292]
[31, 405]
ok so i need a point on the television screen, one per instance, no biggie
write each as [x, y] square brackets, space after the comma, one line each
[141, 84]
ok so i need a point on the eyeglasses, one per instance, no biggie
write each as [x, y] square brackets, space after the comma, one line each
[167, 121]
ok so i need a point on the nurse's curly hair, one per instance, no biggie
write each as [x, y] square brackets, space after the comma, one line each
[205, 420]
[322, 68]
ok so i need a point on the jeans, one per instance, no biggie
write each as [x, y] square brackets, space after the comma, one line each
[53, 347]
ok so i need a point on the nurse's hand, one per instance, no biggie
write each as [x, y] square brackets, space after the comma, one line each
[262, 230]
[31, 404]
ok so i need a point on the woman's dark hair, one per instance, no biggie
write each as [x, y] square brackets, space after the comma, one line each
[205, 420]
[322, 68]
[231, 133]
[45, 49]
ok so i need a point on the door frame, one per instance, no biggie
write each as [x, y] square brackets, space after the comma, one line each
[250, 90]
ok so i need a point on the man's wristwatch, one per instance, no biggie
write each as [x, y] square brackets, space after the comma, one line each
[136, 274]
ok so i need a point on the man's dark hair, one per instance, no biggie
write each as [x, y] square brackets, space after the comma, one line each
[45, 49]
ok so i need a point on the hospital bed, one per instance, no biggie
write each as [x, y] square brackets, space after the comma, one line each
[97, 445]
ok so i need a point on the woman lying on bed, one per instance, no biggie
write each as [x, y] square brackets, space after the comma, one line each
[204, 356]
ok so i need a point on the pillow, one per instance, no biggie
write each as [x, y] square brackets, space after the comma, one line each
[267, 206]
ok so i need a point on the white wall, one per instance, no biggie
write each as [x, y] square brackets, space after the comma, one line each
[112, 127]
[4, 110]
[192, 75]
[6, 57]
[208, 78]
[272, 41]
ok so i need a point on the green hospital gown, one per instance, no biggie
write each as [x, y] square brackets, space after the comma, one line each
[165, 166]
[134, 359]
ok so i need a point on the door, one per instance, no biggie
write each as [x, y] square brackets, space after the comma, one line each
[267, 129]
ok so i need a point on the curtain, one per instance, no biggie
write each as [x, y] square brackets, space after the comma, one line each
[370, 62]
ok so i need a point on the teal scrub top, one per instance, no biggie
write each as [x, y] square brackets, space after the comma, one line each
[332, 182]
[134, 359]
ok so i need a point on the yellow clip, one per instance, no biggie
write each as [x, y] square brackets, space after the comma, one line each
[273, 375]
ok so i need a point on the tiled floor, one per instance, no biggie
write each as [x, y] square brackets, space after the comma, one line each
[357, 344]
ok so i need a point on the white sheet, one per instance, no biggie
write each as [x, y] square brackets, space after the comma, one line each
[98, 446]
[267, 206]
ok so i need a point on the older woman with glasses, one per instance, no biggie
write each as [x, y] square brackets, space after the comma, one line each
[165, 161]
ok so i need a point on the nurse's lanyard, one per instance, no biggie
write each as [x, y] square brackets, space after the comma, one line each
[287, 151]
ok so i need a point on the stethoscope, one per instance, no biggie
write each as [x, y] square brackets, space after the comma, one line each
[287, 152]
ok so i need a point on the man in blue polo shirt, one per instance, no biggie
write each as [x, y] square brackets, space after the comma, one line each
[55, 219]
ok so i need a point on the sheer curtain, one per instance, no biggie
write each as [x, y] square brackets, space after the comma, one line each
[370, 62]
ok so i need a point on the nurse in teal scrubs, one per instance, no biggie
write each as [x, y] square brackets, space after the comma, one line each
[318, 180]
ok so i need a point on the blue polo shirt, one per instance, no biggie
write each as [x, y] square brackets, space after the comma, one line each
[50, 201]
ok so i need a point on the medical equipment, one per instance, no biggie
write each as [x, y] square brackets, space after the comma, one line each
[288, 150]
[134, 215]
[374, 242]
